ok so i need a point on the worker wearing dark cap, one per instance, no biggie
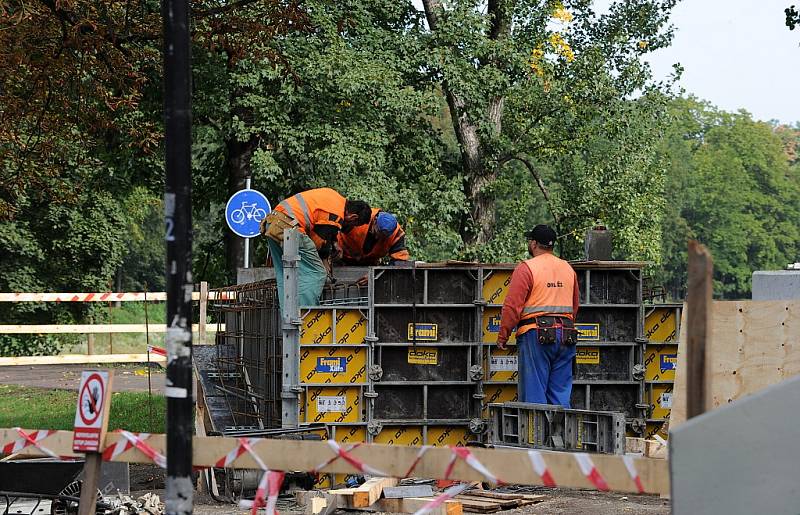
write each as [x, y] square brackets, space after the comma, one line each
[542, 303]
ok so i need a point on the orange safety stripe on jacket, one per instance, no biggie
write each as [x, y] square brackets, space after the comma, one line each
[321, 206]
[352, 244]
[552, 291]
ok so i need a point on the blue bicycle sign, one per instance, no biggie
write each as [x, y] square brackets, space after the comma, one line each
[244, 212]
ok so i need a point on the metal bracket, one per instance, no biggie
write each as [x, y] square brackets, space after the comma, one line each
[638, 371]
[375, 372]
[477, 426]
[374, 428]
[476, 372]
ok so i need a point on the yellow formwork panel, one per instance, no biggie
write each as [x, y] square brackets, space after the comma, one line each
[660, 400]
[449, 435]
[400, 435]
[348, 434]
[500, 364]
[491, 326]
[317, 327]
[351, 326]
[331, 404]
[498, 393]
[661, 325]
[660, 361]
[319, 365]
[495, 287]
[657, 428]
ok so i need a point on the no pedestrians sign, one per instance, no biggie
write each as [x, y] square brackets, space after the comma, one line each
[91, 415]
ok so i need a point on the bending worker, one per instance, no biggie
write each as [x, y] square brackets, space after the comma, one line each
[366, 245]
[542, 303]
[318, 215]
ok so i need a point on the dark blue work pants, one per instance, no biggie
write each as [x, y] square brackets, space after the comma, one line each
[545, 371]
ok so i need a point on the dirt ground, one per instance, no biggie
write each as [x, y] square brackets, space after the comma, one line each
[128, 378]
[146, 478]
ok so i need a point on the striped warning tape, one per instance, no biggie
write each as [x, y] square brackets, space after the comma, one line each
[156, 296]
[29, 440]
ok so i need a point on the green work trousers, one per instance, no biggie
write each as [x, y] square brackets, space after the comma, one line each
[311, 275]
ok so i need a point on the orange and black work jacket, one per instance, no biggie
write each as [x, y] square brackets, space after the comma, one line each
[360, 247]
[319, 214]
[542, 286]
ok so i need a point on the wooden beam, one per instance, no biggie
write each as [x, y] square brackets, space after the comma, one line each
[80, 359]
[203, 305]
[414, 504]
[513, 465]
[368, 493]
[93, 329]
[698, 302]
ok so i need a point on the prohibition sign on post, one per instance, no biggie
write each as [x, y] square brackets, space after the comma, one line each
[92, 410]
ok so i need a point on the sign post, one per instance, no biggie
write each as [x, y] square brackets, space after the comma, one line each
[91, 423]
[244, 212]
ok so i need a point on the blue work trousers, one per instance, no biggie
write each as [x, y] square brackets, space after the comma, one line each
[545, 371]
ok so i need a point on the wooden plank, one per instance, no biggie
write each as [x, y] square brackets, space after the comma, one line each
[93, 329]
[754, 344]
[370, 491]
[155, 296]
[394, 460]
[634, 445]
[81, 359]
[203, 305]
[414, 504]
[699, 330]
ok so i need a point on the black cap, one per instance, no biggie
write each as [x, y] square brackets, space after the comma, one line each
[543, 234]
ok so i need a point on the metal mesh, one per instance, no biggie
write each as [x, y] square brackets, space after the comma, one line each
[248, 354]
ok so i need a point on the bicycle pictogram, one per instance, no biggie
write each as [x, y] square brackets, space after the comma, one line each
[247, 212]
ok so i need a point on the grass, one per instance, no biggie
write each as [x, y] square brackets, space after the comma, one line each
[38, 408]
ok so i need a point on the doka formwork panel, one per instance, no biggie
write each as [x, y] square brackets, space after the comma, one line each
[614, 324]
[608, 362]
[545, 426]
[453, 324]
[449, 363]
[616, 286]
[396, 285]
[423, 402]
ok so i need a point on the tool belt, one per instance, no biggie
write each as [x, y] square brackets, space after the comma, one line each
[547, 329]
[274, 225]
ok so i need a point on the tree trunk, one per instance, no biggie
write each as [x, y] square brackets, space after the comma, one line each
[480, 225]
[237, 163]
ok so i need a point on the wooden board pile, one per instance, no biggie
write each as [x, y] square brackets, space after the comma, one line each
[383, 495]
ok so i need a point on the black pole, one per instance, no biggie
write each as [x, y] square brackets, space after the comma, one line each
[178, 215]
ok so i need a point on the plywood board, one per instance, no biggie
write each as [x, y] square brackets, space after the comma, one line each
[753, 345]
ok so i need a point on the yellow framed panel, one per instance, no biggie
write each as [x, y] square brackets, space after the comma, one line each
[337, 365]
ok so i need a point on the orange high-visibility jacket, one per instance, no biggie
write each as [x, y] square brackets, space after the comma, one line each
[319, 213]
[553, 290]
[361, 248]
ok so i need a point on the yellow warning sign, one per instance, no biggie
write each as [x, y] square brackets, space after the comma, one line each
[423, 355]
[588, 356]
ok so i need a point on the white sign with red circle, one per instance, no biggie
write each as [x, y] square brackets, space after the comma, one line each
[90, 423]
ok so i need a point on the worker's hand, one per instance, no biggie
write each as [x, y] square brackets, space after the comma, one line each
[501, 345]
[336, 252]
[363, 281]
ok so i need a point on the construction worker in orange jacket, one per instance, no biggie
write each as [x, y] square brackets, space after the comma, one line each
[318, 215]
[542, 302]
[366, 245]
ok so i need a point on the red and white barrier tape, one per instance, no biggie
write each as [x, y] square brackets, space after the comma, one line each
[136, 441]
[540, 467]
[269, 486]
[590, 471]
[422, 451]
[629, 464]
[444, 497]
[120, 446]
[157, 350]
[474, 463]
[28, 440]
[345, 455]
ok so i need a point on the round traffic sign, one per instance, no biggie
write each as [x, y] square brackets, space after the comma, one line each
[91, 399]
[245, 210]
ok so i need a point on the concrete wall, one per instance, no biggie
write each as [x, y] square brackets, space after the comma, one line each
[776, 285]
